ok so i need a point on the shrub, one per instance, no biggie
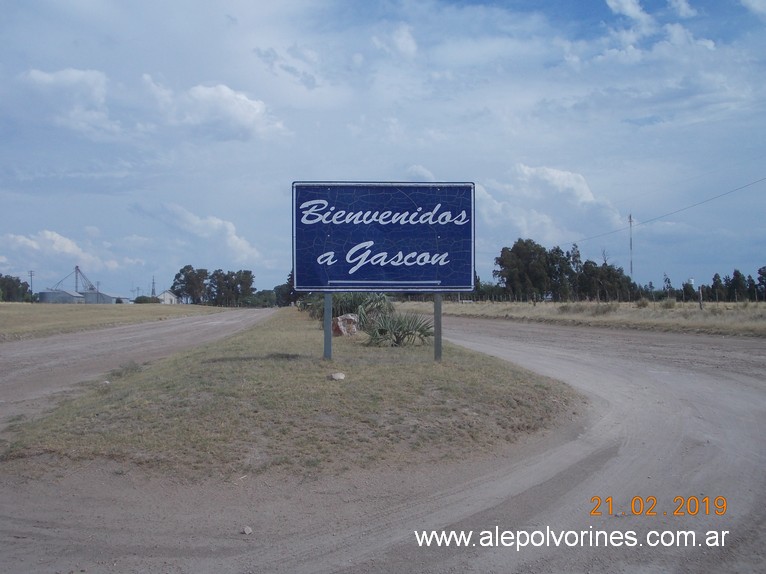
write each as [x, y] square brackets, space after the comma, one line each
[668, 304]
[363, 304]
[143, 299]
[642, 303]
[398, 329]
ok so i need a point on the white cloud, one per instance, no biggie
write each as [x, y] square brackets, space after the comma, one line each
[53, 244]
[420, 173]
[630, 8]
[756, 6]
[215, 110]
[682, 8]
[644, 24]
[216, 232]
[399, 41]
[298, 63]
[567, 183]
[228, 113]
[553, 206]
[404, 41]
[79, 100]
[86, 86]
[13, 241]
[163, 95]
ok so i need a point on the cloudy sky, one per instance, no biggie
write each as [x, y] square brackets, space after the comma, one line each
[138, 137]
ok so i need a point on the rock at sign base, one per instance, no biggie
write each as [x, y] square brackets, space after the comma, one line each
[337, 376]
[345, 325]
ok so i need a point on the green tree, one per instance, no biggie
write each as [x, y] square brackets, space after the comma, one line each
[221, 288]
[689, 293]
[245, 280]
[752, 289]
[285, 293]
[263, 298]
[230, 288]
[190, 284]
[717, 289]
[737, 288]
[523, 270]
[575, 274]
[509, 274]
[559, 274]
[614, 283]
[590, 280]
[13, 289]
[486, 291]
[667, 286]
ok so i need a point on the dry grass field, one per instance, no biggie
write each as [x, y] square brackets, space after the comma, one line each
[263, 399]
[25, 321]
[718, 319]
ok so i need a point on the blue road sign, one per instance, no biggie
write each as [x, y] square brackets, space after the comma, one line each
[374, 236]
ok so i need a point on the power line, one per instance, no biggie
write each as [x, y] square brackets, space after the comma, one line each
[634, 224]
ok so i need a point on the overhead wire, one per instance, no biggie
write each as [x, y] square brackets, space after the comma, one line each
[709, 199]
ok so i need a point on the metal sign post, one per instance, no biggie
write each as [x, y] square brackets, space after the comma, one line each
[327, 321]
[437, 327]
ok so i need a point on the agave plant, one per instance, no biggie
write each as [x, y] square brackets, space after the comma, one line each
[399, 329]
[374, 306]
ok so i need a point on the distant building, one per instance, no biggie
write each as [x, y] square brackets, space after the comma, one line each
[99, 297]
[89, 293]
[60, 296]
[169, 298]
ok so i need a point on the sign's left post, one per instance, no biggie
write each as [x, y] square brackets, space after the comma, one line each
[327, 323]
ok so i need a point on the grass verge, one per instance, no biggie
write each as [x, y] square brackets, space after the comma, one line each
[263, 399]
[747, 319]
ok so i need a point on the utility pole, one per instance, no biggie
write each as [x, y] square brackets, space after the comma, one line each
[630, 220]
[31, 287]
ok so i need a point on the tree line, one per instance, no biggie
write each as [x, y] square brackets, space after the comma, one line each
[14, 290]
[527, 271]
[219, 288]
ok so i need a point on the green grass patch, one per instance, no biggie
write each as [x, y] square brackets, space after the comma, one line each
[263, 399]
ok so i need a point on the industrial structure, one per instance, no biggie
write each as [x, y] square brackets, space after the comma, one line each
[84, 291]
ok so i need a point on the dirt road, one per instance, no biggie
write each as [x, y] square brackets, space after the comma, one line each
[675, 419]
[32, 372]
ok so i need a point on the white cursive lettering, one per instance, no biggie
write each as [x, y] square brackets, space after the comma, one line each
[361, 255]
[320, 211]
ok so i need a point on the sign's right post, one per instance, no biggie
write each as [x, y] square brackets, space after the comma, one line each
[437, 327]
